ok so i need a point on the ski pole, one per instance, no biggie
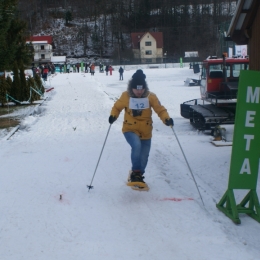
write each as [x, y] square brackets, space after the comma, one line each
[90, 186]
[188, 165]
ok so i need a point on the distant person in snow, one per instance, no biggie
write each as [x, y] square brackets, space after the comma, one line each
[45, 72]
[52, 68]
[34, 70]
[101, 68]
[41, 69]
[137, 102]
[121, 71]
[110, 70]
[68, 68]
[78, 67]
[86, 67]
[106, 69]
[92, 69]
[38, 71]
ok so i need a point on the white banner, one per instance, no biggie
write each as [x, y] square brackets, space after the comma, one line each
[230, 52]
[241, 50]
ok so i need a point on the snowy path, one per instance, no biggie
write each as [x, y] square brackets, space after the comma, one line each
[55, 154]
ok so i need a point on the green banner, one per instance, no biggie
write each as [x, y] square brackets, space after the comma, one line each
[245, 158]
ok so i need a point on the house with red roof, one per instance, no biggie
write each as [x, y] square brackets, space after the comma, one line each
[42, 48]
[148, 46]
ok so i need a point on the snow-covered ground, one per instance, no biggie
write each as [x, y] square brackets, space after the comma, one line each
[47, 211]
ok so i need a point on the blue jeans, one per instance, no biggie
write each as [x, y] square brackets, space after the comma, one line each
[140, 151]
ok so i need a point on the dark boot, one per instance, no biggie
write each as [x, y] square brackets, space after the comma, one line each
[136, 176]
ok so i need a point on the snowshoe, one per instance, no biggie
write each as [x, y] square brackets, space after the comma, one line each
[136, 182]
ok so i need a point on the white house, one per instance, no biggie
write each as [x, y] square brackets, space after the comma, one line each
[148, 46]
[42, 48]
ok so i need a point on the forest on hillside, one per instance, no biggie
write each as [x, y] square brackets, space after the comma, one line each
[187, 25]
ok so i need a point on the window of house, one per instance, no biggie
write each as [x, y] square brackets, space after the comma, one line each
[42, 47]
[148, 52]
[42, 56]
[148, 60]
[148, 43]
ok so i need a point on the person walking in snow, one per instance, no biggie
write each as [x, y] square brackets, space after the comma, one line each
[121, 71]
[110, 70]
[137, 102]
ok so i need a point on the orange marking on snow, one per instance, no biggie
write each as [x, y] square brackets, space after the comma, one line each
[176, 199]
[49, 89]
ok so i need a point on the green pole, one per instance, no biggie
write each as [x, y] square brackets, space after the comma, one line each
[181, 64]
[81, 64]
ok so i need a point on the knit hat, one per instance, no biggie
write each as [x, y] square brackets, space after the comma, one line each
[138, 80]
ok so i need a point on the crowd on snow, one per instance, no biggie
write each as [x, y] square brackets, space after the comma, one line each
[43, 70]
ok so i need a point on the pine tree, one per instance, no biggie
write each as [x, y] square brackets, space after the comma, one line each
[68, 17]
[14, 53]
[16, 85]
[4, 25]
[3, 90]
[7, 51]
[24, 91]
[9, 85]
[30, 84]
[38, 84]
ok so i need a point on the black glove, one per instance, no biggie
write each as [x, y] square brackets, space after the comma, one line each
[169, 122]
[111, 119]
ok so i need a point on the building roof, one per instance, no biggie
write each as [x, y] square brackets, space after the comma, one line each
[136, 38]
[40, 39]
[239, 29]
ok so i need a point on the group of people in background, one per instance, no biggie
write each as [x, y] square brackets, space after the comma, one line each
[67, 67]
[44, 69]
[108, 69]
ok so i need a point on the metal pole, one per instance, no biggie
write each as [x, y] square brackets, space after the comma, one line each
[90, 186]
[188, 165]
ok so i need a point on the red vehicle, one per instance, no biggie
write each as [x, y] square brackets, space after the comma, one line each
[218, 88]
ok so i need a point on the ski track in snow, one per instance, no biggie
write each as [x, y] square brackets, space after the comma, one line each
[55, 154]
